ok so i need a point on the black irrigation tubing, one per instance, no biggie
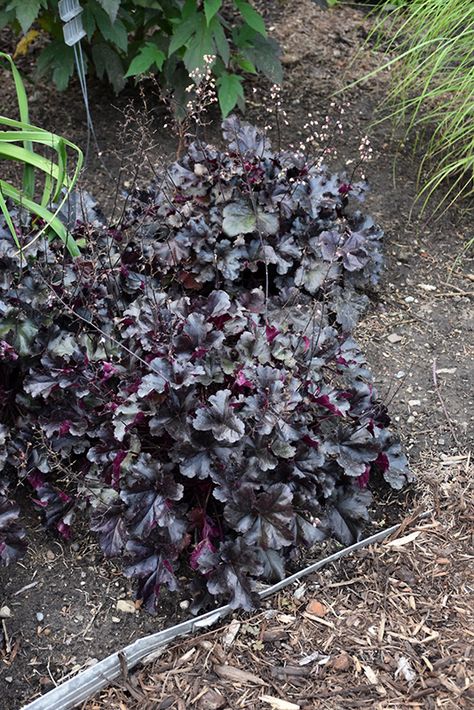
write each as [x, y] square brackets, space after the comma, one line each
[84, 685]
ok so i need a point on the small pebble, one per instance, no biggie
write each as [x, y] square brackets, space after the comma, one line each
[184, 605]
[40, 616]
[409, 299]
[394, 338]
[8, 679]
[116, 620]
[5, 612]
[126, 605]
[414, 403]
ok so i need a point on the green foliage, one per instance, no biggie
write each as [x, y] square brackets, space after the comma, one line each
[17, 144]
[433, 86]
[128, 38]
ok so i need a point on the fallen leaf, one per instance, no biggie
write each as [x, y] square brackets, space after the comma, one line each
[404, 668]
[236, 675]
[399, 542]
[232, 631]
[279, 704]
[316, 608]
[342, 662]
[371, 675]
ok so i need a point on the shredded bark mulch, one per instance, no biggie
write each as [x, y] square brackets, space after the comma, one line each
[389, 627]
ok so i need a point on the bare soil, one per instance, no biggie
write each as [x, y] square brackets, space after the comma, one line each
[63, 599]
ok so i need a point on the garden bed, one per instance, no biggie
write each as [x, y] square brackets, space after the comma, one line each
[416, 336]
[386, 627]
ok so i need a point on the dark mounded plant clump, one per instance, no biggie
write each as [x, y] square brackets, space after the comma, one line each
[248, 216]
[205, 429]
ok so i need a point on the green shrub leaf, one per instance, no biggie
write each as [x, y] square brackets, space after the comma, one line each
[263, 53]
[251, 17]
[229, 91]
[108, 62]
[181, 34]
[148, 55]
[200, 45]
[26, 11]
[211, 8]
[58, 59]
[111, 7]
[220, 40]
[115, 33]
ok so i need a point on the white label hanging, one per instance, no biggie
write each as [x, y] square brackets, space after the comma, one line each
[73, 31]
[69, 9]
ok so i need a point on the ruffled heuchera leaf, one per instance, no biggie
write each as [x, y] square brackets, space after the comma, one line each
[152, 569]
[273, 564]
[219, 417]
[265, 519]
[355, 449]
[228, 573]
[348, 513]
[110, 525]
[239, 218]
[149, 497]
[243, 138]
[12, 536]
[393, 463]
[57, 507]
[158, 379]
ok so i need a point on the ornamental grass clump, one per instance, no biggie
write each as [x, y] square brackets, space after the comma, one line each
[19, 143]
[186, 387]
[432, 89]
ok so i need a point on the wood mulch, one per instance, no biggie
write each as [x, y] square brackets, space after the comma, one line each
[389, 627]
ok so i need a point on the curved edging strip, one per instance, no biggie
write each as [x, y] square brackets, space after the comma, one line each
[88, 682]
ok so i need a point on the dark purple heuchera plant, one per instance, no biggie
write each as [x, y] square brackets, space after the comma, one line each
[247, 215]
[188, 386]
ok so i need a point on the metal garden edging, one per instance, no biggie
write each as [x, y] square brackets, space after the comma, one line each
[78, 689]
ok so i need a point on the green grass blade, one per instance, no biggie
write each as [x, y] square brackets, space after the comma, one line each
[8, 220]
[51, 219]
[22, 99]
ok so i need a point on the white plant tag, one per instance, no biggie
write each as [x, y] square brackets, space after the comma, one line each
[73, 31]
[69, 9]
